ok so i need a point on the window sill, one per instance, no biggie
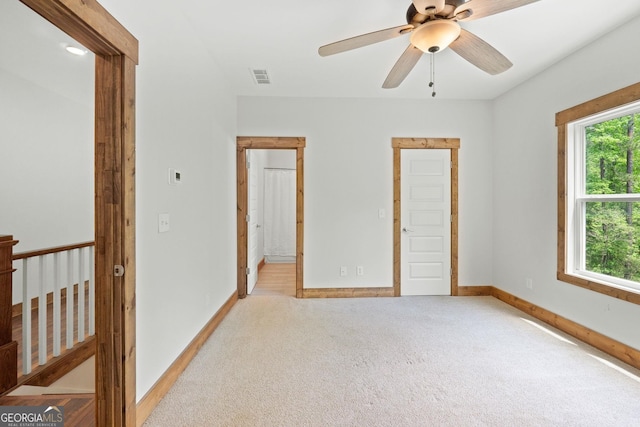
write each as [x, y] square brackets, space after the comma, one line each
[625, 294]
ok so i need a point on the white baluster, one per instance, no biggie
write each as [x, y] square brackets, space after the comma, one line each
[70, 283]
[83, 276]
[42, 311]
[26, 320]
[56, 304]
[81, 261]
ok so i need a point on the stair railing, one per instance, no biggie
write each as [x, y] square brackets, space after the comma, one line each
[45, 275]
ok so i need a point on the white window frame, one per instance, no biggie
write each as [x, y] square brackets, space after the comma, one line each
[577, 199]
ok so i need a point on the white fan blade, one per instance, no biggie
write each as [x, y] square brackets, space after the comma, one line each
[482, 8]
[480, 53]
[364, 40]
[403, 67]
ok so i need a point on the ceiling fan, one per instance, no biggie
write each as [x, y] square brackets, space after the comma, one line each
[434, 26]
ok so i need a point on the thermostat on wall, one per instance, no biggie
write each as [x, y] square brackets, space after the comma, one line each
[174, 176]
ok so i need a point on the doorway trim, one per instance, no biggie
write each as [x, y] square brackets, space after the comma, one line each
[398, 144]
[116, 56]
[244, 143]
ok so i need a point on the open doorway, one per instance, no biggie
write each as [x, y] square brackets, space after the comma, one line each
[47, 187]
[281, 162]
[271, 233]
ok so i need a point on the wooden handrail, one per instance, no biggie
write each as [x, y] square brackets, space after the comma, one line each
[47, 251]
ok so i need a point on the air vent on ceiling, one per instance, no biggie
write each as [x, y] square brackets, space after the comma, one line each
[260, 76]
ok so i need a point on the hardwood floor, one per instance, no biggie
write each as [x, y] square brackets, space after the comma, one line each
[276, 279]
[79, 409]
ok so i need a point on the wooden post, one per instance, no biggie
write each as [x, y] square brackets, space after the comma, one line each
[8, 347]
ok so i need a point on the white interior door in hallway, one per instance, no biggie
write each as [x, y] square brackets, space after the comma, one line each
[252, 234]
[426, 222]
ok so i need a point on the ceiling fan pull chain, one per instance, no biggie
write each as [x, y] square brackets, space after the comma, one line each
[432, 75]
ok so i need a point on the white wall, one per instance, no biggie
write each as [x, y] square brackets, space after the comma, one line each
[46, 177]
[46, 141]
[185, 120]
[525, 182]
[349, 175]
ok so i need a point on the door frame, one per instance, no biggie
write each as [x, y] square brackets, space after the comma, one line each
[116, 56]
[244, 143]
[398, 144]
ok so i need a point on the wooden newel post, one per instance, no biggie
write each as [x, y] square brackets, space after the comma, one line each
[8, 347]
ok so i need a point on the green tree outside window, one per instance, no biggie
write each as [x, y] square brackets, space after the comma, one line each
[613, 228]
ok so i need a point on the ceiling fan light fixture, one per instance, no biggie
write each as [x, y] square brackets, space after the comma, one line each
[435, 36]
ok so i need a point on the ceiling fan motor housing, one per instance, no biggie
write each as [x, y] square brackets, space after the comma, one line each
[428, 7]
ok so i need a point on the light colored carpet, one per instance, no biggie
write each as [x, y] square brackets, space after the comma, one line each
[411, 361]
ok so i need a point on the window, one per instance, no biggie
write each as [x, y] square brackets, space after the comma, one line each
[599, 194]
[603, 184]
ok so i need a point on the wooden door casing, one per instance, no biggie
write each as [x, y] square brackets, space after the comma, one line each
[399, 144]
[244, 143]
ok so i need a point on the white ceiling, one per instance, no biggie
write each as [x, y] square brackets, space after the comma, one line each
[33, 50]
[283, 37]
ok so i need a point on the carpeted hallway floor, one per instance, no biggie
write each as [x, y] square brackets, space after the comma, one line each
[416, 361]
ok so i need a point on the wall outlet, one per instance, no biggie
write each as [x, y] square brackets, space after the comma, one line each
[529, 283]
[343, 271]
[360, 270]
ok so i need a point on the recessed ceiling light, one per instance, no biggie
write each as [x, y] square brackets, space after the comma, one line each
[76, 50]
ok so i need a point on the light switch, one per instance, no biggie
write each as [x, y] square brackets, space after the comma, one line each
[174, 176]
[381, 213]
[163, 223]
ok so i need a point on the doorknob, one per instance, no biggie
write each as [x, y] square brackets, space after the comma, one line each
[406, 230]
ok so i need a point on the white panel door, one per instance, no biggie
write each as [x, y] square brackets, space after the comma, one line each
[425, 222]
[252, 226]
